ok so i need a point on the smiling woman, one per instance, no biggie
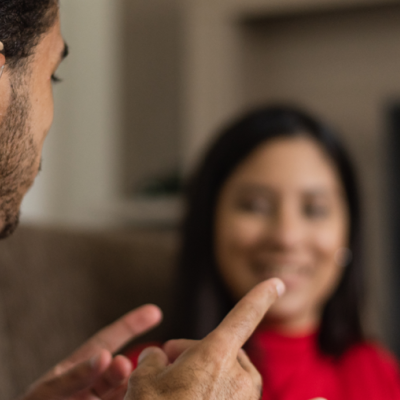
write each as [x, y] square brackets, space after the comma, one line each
[276, 196]
[275, 193]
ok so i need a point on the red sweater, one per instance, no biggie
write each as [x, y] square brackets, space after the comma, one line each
[294, 369]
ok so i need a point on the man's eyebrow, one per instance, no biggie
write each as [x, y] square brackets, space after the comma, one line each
[65, 52]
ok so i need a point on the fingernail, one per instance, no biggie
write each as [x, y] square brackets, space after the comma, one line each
[94, 361]
[280, 287]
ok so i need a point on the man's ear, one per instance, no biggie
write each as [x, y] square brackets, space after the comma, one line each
[2, 58]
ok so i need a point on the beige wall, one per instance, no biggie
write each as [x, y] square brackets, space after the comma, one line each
[151, 64]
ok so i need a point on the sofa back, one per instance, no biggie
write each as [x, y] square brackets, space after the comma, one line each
[58, 287]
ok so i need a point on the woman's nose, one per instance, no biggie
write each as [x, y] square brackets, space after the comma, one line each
[286, 230]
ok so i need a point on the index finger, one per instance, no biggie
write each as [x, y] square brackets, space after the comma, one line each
[116, 335]
[240, 323]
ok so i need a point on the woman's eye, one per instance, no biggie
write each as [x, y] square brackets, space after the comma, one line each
[255, 206]
[316, 211]
[55, 79]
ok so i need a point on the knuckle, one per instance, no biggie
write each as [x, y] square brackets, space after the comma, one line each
[242, 386]
[215, 337]
[251, 386]
[138, 375]
[138, 386]
[258, 382]
[135, 378]
[214, 352]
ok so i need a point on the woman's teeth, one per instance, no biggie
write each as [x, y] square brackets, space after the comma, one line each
[283, 269]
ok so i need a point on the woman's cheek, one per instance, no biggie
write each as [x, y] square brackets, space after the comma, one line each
[247, 232]
[235, 246]
[327, 243]
[329, 240]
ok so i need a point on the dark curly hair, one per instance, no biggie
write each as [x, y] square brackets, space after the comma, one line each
[22, 22]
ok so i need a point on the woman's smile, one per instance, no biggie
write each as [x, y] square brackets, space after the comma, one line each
[292, 273]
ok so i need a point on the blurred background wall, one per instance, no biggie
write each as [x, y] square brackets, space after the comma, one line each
[147, 83]
[80, 159]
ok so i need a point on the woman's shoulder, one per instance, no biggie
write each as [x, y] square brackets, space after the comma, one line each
[133, 353]
[372, 353]
[375, 365]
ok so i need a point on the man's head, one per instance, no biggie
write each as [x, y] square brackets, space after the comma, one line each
[33, 49]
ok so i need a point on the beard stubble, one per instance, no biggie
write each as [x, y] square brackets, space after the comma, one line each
[18, 155]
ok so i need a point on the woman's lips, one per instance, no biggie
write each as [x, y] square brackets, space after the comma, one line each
[293, 275]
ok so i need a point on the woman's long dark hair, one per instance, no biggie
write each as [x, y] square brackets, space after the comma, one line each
[203, 299]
